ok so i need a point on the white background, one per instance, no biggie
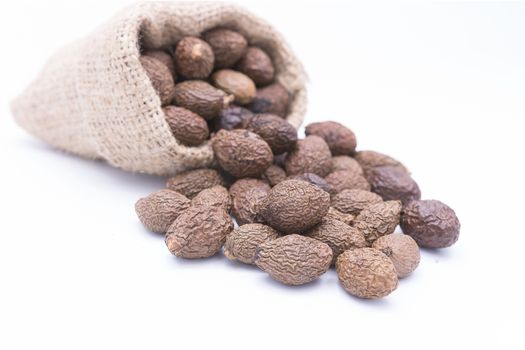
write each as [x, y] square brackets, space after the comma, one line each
[439, 86]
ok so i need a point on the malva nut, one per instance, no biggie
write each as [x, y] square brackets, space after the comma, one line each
[194, 58]
[372, 159]
[313, 179]
[236, 84]
[187, 127]
[191, 182]
[274, 174]
[216, 196]
[402, 250]
[346, 180]
[165, 58]
[241, 244]
[258, 66]
[276, 131]
[248, 196]
[310, 155]
[393, 183]
[337, 215]
[339, 138]
[160, 78]
[273, 99]
[378, 219]
[228, 46]
[346, 163]
[233, 117]
[353, 201]
[201, 98]
[158, 210]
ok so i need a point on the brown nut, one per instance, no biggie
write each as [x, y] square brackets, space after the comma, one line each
[378, 219]
[241, 244]
[295, 206]
[393, 183]
[277, 132]
[165, 58]
[158, 210]
[160, 77]
[372, 159]
[228, 46]
[402, 250]
[339, 138]
[191, 182]
[216, 196]
[337, 215]
[366, 273]
[313, 179]
[431, 223]
[241, 152]
[294, 259]
[353, 201]
[257, 65]
[346, 180]
[272, 99]
[233, 117]
[194, 58]
[346, 163]
[248, 196]
[236, 84]
[201, 98]
[199, 232]
[274, 174]
[310, 155]
[188, 128]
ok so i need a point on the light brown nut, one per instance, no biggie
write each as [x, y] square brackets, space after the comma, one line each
[233, 117]
[241, 244]
[378, 219]
[277, 132]
[272, 99]
[165, 58]
[201, 98]
[294, 259]
[194, 58]
[402, 250]
[216, 196]
[295, 206]
[248, 196]
[310, 155]
[191, 182]
[366, 273]
[228, 46]
[339, 138]
[257, 65]
[346, 163]
[346, 180]
[160, 77]
[337, 215]
[199, 232]
[274, 174]
[188, 128]
[391, 183]
[353, 201]
[241, 152]
[236, 84]
[158, 210]
[313, 179]
[372, 159]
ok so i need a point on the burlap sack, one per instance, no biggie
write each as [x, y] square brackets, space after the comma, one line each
[93, 97]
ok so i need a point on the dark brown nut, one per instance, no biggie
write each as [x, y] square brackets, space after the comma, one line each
[295, 206]
[338, 235]
[158, 210]
[277, 132]
[257, 65]
[216, 196]
[233, 117]
[236, 84]
[241, 244]
[378, 219]
[272, 99]
[165, 58]
[313, 179]
[228, 46]
[310, 155]
[372, 159]
[346, 163]
[201, 98]
[337, 215]
[248, 196]
[188, 128]
[346, 180]
[366, 273]
[339, 138]
[274, 174]
[199, 232]
[294, 259]
[391, 183]
[241, 152]
[353, 201]
[191, 182]
[431, 223]
[160, 78]
[194, 58]
[402, 250]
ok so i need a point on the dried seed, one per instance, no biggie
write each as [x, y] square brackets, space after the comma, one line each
[241, 244]
[201, 98]
[158, 210]
[346, 180]
[191, 182]
[337, 215]
[339, 138]
[378, 219]
[194, 58]
[233, 117]
[188, 128]
[313, 179]
[248, 196]
[402, 250]
[346, 163]
[372, 159]
[258, 66]
[393, 183]
[160, 77]
[310, 155]
[236, 84]
[228, 46]
[353, 201]
[277, 132]
[216, 196]
[274, 174]
[272, 99]
[165, 58]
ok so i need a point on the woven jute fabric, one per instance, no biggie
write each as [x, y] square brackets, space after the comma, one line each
[94, 99]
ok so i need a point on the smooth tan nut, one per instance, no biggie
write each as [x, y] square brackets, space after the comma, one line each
[378, 219]
[216, 196]
[194, 58]
[248, 196]
[241, 244]
[258, 66]
[201, 98]
[310, 155]
[233, 117]
[313, 179]
[228, 46]
[372, 159]
[276, 131]
[188, 128]
[339, 138]
[274, 174]
[346, 163]
[241, 152]
[199, 232]
[160, 77]
[402, 250]
[353, 201]
[272, 99]
[337, 215]
[191, 182]
[165, 58]
[346, 180]
[366, 273]
[294, 259]
[158, 210]
[236, 84]
[295, 206]
[391, 183]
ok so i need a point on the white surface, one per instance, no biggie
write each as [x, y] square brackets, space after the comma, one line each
[441, 87]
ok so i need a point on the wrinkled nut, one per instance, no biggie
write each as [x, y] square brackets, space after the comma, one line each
[248, 196]
[241, 244]
[313, 179]
[160, 77]
[216, 196]
[191, 182]
[158, 210]
[310, 155]
[274, 174]
[402, 250]
[294, 259]
[391, 183]
[201, 98]
[233, 117]
[236, 84]
[378, 219]
[337, 215]
[277, 132]
[346, 163]
[372, 159]
[338, 235]
[228, 46]
[194, 58]
[199, 232]
[353, 201]
[272, 99]
[339, 138]
[346, 180]
[241, 152]
[431, 223]
[295, 206]
[366, 273]
[257, 65]
[165, 58]
[187, 127]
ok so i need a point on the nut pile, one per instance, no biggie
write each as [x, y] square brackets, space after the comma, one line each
[302, 206]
